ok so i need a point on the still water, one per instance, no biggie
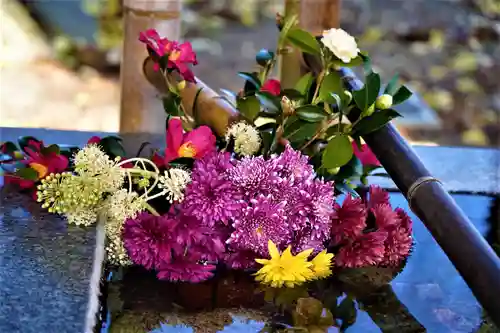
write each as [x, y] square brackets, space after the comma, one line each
[428, 295]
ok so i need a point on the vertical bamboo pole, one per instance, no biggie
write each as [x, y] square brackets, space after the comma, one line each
[315, 16]
[140, 109]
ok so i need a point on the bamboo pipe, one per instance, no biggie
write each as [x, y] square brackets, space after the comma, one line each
[140, 111]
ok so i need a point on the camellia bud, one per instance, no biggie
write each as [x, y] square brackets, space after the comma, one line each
[287, 106]
[383, 102]
[181, 85]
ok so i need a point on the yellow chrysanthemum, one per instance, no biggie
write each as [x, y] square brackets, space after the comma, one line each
[284, 269]
[321, 264]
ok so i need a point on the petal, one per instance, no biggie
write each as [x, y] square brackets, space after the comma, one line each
[202, 139]
[175, 135]
[273, 250]
[305, 254]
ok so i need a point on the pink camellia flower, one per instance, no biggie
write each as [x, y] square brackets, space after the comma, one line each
[272, 86]
[194, 144]
[179, 55]
[365, 155]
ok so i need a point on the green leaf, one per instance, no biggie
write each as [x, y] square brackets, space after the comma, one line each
[51, 149]
[367, 169]
[264, 56]
[300, 131]
[252, 78]
[8, 148]
[332, 83]
[310, 113]
[353, 169]
[374, 122]
[171, 105]
[338, 152]
[304, 84]
[292, 94]
[366, 96]
[353, 63]
[249, 107]
[334, 129]
[401, 95]
[346, 189]
[267, 140]
[391, 89]
[303, 40]
[27, 173]
[269, 101]
[367, 63]
[112, 146]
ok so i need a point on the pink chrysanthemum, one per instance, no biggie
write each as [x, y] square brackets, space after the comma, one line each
[253, 175]
[399, 241]
[186, 270]
[366, 250]
[211, 197]
[148, 239]
[348, 220]
[261, 221]
[293, 164]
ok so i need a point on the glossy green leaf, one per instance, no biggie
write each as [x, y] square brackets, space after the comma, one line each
[171, 105]
[303, 40]
[367, 63]
[310, 113]
[52, 149]
[27, 173]
[401, 95]
[269, 101]
[391, 87]
[374, 122]
[252, 78]
[8, 148]
[301, 131]
[346, 189]
[338, 152]
[353, 169]
[336, 129]
[249, 107]
[292, 94]
[304, 83]
[112, 146]
[366, 96]
[332, 83]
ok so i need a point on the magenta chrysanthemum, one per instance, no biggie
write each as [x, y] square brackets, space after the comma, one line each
[348, 220]
[148, 239]
[384, 215]
[186, 270]
[366, 250]
[210, 196]
[293, 164]
[259, 222]
[253, 175]
[399, 241]
[242, 259]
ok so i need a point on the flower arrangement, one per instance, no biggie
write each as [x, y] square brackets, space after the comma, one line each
[282, 192]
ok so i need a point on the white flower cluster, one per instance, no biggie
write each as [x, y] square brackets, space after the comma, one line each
[246, 138]
[174, 183]
[342, 45]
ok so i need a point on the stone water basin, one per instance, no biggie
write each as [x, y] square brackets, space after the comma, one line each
[428, 295]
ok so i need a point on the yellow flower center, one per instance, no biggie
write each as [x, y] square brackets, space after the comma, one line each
[187, 150]
[174, 55]
[40, 169]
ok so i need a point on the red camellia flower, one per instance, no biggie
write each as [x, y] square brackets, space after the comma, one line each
[272, 86]
[194, 144]
[365, 155]
[179, 56]
[44, 163]
[94, 140]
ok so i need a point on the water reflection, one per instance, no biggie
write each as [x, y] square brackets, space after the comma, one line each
[428, 295]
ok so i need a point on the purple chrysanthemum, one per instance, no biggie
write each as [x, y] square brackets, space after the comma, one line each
[148, 239]
[186, 270]
[366, 250]
[210, 196]
[293, 164]
[242, 259]
[259, 222]
[348, 220]
[399, 241]
[253, 175]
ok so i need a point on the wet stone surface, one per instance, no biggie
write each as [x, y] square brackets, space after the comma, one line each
[46, 269]
[428, 295]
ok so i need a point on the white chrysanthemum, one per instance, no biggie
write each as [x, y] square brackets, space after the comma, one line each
[342, 44]
[92, 161]
[174, 182]
[83, 217]
[116, 252]
[246, 138]
[118, 207]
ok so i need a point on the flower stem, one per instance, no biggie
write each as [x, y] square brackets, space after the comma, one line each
[151, 209]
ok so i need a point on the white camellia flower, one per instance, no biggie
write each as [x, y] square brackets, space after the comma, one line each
[342, 44]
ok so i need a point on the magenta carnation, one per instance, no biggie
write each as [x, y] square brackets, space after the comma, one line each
[148, 239]
[186, 270]
[348, 220]
[366, 250]
[384, 215]
[259, 222]
[399, 241]
[210, 196]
